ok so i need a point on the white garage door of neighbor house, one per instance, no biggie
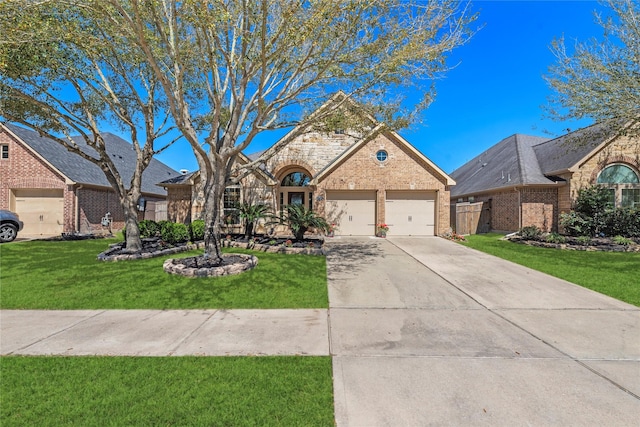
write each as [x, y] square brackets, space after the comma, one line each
[353, 212]
[42, 211]
[410, 213]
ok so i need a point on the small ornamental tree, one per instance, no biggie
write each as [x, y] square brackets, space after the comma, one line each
[250, 214]
[300, 219]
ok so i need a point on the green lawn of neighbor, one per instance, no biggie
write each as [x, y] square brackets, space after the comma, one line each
[616, 274]
[166, 391]
[67, 275]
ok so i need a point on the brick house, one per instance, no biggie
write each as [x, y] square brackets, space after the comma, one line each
[354, 181]
[526, 180]
[55, 191]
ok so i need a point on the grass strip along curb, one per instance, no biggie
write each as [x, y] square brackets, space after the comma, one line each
[170, 391]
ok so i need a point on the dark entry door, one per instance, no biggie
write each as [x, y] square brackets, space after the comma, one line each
[296, 198]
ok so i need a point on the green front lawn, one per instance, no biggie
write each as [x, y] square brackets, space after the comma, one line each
[66, 275]
[166, 391]
[611, 273]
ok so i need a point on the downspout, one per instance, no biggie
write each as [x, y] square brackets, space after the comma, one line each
[78, 188]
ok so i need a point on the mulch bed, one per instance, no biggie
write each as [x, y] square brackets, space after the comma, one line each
[154, 247]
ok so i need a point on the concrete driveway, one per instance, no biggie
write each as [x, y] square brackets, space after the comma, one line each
[424, 331]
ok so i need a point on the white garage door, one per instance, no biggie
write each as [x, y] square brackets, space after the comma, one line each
[41, 211]
[353, 212]
[410, 213]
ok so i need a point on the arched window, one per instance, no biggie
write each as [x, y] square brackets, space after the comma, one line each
[618, 174]
[624, 184]
[295, 179]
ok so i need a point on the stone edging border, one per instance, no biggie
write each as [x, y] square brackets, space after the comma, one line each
[104, 256]
[173, 266]
[279, 249]
[586, 248]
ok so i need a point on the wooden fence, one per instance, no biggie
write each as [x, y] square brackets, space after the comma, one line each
[473, 218]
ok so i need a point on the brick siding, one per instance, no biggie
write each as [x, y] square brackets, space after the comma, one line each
[25, 170]
[403, 170]
[311, 153]
[540, 207]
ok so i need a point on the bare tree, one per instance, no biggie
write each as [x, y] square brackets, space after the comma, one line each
[231, 69]
[64, 73]
[600, 78]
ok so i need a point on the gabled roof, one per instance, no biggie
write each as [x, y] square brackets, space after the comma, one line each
[380, 128]
[511, 162]
[81, 171]
[530, 160]
[565, 152]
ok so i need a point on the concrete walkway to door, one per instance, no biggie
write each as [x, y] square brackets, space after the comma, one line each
[424, 331]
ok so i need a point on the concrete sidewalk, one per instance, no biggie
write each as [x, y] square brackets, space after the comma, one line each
[427, 332]
[164, 332]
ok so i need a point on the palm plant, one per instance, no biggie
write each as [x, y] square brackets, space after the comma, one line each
[299, 219]
[250, 214]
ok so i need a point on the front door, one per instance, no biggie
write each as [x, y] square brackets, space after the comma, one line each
[296, 198]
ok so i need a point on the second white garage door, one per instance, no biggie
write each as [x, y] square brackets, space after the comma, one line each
[410, 213]
[353, 212]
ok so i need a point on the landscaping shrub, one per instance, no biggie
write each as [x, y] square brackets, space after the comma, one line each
[174, 232]
[622, 221]
[149, 228]
[575, 224]
[593, 201]
[594, 215]
[555, 238]
[196, 229]
[530, 232]
[619, 240]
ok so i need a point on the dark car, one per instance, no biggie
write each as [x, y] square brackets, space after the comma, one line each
[10, 224]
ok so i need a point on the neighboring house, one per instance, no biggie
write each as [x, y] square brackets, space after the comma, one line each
[55, 191]
[526, 180]
[355, 182]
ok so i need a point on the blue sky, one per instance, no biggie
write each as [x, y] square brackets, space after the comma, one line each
[496, 89]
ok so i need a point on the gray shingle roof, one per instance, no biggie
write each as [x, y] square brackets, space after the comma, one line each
[510, 162]
[560, 154]
[83, 171]
[528, 160]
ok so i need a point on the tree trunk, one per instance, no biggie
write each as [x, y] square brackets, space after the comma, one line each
[133, 242]
[248, 229]
[213, 206]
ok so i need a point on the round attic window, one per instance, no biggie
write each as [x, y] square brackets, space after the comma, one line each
[382, 156]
